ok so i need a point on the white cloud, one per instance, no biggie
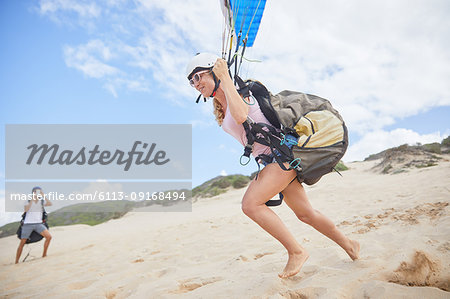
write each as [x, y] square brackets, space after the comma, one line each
[82, 8]
[376, 61]
[379, 140]
[71, 13]
[149, 36]
[89, 59]
[387, 64]
[223, 172]
[92, 60]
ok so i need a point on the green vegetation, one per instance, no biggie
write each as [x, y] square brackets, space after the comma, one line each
[9, 229]
[445, 145]
[220, 185]
[398, 159]
[387, 168]
[432, 148]
[428, 164]
[435, 148]
[397, 171]
[240, 181]
[341, 166]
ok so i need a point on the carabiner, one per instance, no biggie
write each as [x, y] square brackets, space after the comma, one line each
[296, 165]
[250, 102]
[243, 164]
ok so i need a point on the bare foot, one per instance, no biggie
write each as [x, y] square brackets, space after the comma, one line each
[294, 264]
[353, 252]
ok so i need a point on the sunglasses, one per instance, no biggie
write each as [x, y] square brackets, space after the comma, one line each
[197, 77]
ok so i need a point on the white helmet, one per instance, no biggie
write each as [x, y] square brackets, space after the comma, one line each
[199, 62]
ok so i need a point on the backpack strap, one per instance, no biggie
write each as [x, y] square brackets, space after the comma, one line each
[243, 90]
[44, 213]
[248, 149]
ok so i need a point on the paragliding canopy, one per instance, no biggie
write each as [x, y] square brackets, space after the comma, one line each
[242, 19]
[243, 16]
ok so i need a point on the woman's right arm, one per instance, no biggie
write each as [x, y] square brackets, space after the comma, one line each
[238, 109]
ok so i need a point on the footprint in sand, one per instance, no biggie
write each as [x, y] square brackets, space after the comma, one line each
[260, 255]
[138, 261]
[161, 273]
[80, 285]
[191, 284]
[242, 258]
[110, 294]
[255, 257]
[305, 293]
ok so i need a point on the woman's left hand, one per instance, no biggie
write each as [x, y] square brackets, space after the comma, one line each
[220, 69]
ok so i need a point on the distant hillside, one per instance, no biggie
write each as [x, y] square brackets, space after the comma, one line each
[220, 184]
[85, 213]
[399, 159]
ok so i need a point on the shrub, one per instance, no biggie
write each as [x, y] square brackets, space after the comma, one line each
[341, 166]
[387, 168]
[432, 148]
[446, 141]
[240, 181]
[221, 183]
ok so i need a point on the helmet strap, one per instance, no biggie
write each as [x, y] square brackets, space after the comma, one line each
[216, 86]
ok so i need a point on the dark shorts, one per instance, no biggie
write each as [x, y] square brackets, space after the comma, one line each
[290, 145]
[28, 228]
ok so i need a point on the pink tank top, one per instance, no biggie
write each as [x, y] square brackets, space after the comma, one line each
[230, 126]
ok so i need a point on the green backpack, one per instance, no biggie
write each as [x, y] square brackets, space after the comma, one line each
[320, 132]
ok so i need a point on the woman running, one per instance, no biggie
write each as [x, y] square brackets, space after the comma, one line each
[209, 75]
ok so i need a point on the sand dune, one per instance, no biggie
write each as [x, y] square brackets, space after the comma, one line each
[401, 220]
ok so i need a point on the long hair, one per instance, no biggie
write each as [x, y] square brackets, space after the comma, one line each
[218, 111]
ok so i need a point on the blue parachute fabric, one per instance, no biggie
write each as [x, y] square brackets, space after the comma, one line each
[247, 15]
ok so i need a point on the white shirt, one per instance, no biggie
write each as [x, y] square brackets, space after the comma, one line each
[34, 214]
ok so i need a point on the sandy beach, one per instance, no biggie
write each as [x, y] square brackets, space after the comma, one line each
[402, 222]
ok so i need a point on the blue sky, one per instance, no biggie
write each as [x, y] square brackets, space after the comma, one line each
[117, 61]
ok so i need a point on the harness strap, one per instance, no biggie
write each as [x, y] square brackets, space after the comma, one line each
[274, 142]
[268, 135]
[243, 90]
[216, 86]
[250, 139]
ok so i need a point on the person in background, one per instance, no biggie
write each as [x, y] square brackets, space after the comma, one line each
[34, 213]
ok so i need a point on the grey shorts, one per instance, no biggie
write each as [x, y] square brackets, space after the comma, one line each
[28, 228]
